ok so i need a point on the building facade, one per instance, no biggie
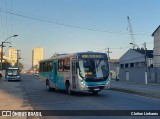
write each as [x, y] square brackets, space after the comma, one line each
[156, 56]
[3, 54]
[156, 49]
[12, 56]
[37, 55]
[134, 63]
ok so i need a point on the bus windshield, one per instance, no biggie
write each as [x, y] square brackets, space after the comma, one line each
[93, 68]
[12, 72]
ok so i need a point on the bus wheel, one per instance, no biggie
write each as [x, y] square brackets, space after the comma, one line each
[48, 86]
[95, 92]
[68, 89]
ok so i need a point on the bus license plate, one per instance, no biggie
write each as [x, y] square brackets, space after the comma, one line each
[96, 89]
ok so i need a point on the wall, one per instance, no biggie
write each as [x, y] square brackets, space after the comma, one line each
[114, 70]
[156, 50]
[154, 75]
[135, 74]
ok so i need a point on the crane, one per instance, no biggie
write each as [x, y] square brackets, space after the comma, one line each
[131, 32]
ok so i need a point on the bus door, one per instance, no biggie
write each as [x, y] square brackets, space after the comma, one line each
[74, 75]
[55, 74]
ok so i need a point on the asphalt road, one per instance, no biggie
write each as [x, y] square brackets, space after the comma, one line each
[41, 99]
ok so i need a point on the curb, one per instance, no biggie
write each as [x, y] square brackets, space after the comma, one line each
[151, 95]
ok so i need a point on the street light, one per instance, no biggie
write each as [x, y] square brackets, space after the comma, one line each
[3, 46]
[10, 37]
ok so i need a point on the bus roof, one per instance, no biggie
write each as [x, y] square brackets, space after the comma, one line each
[73, 54]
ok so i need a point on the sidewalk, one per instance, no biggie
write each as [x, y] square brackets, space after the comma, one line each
[148, 90]
[13, 97]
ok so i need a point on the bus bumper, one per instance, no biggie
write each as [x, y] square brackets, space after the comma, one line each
[84, 87]
[14, 78]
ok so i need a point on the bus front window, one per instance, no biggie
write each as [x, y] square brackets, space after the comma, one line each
[12, 72]
[87, 68]
[95, 69]
[102, 70]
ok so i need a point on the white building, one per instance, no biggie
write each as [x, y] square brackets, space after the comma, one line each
[12, 56]
[134, 63]
[4, 56]
[37, 55]
[156, 49]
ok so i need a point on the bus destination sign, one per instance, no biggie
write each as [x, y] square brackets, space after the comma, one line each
[90, 56]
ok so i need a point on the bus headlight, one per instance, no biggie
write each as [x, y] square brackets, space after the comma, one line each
[82, 83]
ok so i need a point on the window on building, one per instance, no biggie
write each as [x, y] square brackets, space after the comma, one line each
[126, 65]
[131, 64]
[121, 65]
[137, 64]
[142, 64]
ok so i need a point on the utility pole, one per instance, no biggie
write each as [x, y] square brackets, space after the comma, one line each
[145, 56]
[108, 52]
[2, 56]
[18, 56]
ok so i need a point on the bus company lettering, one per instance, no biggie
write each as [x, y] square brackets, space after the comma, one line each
[136, 113]
[144, 113]
[150, 113]
[34, 114]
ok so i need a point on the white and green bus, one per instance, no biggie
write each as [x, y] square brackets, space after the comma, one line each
[12, 74]
[76, 72]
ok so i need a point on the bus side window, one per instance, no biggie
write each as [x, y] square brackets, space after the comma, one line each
[50, 66]
[55, 68]
[66, 66]
[60, 65]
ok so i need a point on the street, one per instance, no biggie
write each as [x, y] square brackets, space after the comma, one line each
[36, 96]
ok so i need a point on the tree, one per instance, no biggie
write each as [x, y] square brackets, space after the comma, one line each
[20, 65]
[5, 65]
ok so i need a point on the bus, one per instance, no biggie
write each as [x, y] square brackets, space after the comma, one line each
[13, 73]
[76, 72]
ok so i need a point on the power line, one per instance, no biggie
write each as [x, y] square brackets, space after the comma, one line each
[6, 17]
[2, 24]
[11, 15]
[66, 25]
[120, 48]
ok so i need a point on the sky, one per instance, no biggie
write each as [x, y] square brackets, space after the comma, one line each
[67, 26]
